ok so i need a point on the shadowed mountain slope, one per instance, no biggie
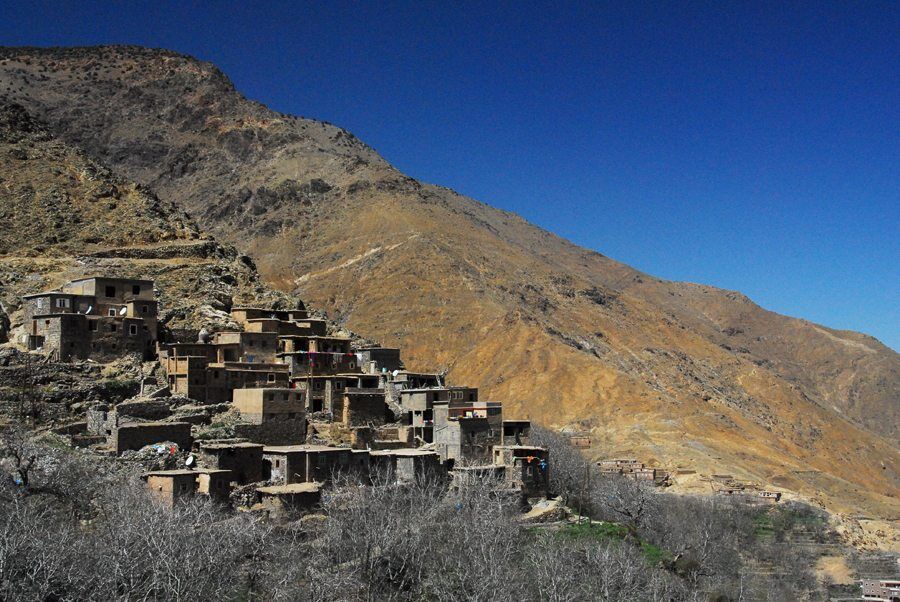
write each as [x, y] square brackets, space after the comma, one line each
[683, 374]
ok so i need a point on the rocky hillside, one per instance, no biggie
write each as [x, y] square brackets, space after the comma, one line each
[64, 215]
[686, 375]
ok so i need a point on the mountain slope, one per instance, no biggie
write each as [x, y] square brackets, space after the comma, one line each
[684, 374]
[65, 216]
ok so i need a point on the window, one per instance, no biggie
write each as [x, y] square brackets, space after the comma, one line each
[112, 327]
[143, 309]
[132, 329]
[62, 303]
[46, 322]
[110, 291]
[136, 289]
[40, 304]
[111, 312]
[271, 377]
[277, 463]
[92, 326]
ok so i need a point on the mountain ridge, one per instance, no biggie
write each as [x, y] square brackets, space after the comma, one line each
[685, 374]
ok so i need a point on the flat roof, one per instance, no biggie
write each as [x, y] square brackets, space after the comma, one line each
[288, 489]
[170, 473]
[111, 278]
[155, 423]
[287, 449]
[403, 452]
[243, 444]
[53, 292]
[520, 447]
[211, 470]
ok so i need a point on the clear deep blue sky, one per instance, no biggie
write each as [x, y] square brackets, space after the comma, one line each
[753, 147]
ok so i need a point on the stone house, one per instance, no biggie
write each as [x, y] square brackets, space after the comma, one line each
[285, 500]
[324, 393]
[93, 318]
[527, 468]
[139, 434]
[361, 407]
[377, 360]
[243, 460]
[274, 416]
[515, 432]
[214, 483]
[166, 487]
[286, 464]
[406, 465]
[467, 430]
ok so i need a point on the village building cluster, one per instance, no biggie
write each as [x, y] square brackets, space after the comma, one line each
[310, 405]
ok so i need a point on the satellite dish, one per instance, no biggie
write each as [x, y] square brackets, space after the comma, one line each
[89, 309]
[190, 461]
[123, 311]
[395, 372]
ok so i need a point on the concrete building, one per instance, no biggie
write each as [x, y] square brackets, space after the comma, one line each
[882, 590]
[93, 318]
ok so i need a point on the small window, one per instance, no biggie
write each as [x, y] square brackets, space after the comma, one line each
[136, 289]
[271, 377]
[92, 326]
[62, 303]
[46, 322]
[112, 312]
[110, 291]
[252, 343]
[277, 463]
[112, 327]
[132, 329]
[143, 309]
[40, 303]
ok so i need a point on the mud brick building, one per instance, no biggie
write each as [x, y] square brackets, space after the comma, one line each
[93, 318]
[214, 483]
[243, 460]
[139, 434]
[169, 486]
[361, 407]
[324, 393]
[274, 416]
[515, 432]
[379, 360]
[406, 465]
[527, 468]
[467, 430]
[285, 500]
[288, 464]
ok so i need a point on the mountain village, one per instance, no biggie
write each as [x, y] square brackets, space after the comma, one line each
[308, 407]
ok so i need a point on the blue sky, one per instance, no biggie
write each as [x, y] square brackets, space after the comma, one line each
[751, 146]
